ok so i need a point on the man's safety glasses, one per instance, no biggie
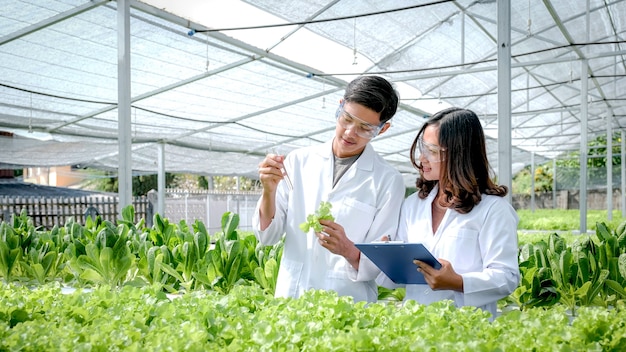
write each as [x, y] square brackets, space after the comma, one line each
[362, 128]
[430, 151]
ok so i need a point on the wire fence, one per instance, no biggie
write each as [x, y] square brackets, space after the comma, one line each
[180, 205]
[50, 212]
[209, 206]
[568, 178]
[564, 189]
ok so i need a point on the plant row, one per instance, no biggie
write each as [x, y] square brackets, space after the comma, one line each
[250, 319]
[173, 257]
[589, 272]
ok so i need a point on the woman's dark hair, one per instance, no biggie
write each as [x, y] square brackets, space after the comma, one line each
[464, 169]
[373, 92]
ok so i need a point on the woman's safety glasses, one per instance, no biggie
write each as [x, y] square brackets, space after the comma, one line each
[431, 152]
[362, 128]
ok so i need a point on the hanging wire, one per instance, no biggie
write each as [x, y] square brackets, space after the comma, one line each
[433, 3]
[439, 89]
[527, 91]
[207, 52]
[323, 98]
[530, 32]
[465, 64]
[354, 42]
[30, 118]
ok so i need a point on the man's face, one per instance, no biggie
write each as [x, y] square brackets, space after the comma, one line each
[355, 125]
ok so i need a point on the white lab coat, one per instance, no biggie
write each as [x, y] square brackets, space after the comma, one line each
[366, 202]
[482, 247]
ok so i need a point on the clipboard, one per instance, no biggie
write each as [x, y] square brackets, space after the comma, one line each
[395, 259]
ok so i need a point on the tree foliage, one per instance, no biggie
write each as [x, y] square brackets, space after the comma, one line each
[522, 181]
[142, 184]
[568, 168]
[229, 183]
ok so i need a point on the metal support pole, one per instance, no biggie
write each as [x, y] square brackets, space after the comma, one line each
[504, 95]
[584, 83]
[609, 166]
[532, 182]
[553, 183]
[125, 171]
[161, 179]
[623, 166]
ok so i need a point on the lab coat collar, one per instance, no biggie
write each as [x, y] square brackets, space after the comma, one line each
[364, 162]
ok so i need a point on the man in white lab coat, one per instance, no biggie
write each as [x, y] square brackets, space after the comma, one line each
[366, 194]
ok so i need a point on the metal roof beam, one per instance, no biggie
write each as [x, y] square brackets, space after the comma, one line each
[155, 92]
[51, 21]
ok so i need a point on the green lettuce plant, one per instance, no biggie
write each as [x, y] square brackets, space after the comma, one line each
[313, 220]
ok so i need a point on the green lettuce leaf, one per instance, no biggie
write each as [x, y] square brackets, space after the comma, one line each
[313, 220]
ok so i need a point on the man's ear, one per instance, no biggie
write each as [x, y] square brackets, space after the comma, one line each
[385, 127]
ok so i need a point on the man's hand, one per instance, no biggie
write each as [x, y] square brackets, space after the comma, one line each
[333, 237]
[270, 175]
[270, 172]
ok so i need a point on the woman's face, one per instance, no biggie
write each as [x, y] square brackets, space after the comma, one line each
[430, 155]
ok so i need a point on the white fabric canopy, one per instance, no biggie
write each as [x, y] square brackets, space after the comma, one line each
[219, 99]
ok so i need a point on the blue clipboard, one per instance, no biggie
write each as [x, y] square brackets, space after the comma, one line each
[396, 260]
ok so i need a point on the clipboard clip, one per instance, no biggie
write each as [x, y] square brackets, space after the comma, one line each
[386, 239]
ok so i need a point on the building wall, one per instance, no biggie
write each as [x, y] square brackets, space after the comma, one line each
[6, 173]
[59, 176]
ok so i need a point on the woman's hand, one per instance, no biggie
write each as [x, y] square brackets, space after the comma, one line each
[444, 278]
[333, 237]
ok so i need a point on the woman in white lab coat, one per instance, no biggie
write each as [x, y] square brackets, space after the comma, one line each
[366, 194]
[460, 215]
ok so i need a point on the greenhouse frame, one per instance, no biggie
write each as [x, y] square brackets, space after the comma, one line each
[210, 87]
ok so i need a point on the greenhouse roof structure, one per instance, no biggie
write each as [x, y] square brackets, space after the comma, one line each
[215, 85]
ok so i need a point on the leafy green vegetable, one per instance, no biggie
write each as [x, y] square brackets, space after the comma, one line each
[51, 318]
[313, 220]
